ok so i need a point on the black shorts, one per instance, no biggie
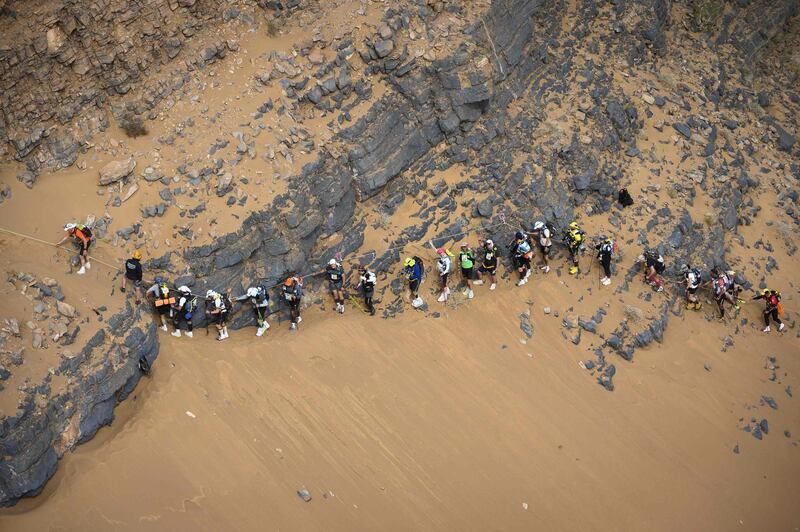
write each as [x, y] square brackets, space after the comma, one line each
[336, 285]
[491, 270]
[220, 318]
[691, 290]
[294, 304]
[163, 310]
[544, 249]
[413, 285]
[466, 273]
[443, 278]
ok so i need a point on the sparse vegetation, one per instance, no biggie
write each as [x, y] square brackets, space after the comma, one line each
[272, 28]
[705, 14]
[132, 125]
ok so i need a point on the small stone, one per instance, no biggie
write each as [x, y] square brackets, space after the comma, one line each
[646, 98]
[384, 47]
[546, 310]
[316, 57]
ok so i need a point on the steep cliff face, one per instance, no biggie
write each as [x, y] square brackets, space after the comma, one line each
[102, 374]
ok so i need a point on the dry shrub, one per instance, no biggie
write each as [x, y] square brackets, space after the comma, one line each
[132, 125]
[705, 14]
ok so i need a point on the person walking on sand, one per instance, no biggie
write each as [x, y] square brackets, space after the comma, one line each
[605, 249]
[443, 265]
[133, 273]
[654, 266]
[725, 289]
[466, 259]
[82, 237]
[692, 278]
[293, 295]
[573, 238]
[183, 310]
[521, 255]
[259, 298]
[366, 282]
[773, 310]
[413, 268]
[162, 300]
[488, 264]
[542, 233]
[335, 274]
[219, 313]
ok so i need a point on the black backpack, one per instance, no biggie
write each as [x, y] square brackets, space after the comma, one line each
[625, 198]
[552, 228]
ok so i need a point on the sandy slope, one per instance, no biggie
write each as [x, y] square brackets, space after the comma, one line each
[436, 424]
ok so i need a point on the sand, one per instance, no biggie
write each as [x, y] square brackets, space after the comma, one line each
[455, 422]
[435, 424]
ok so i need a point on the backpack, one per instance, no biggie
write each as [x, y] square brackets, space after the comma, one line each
[625, 198]
[85, 230]
[655, 260]
[550, 227]
[226, 303]
[163, 289]
[419, 261]
[191, 304]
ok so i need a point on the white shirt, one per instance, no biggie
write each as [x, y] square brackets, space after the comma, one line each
[444, 265]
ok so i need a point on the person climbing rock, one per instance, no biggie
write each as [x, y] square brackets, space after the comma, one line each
[335, 274]
[133, 273]
[218, 311]
[466, 260]
[725, 289]
[692, 278]
[83, 239]
[414, 268]
[183, 310]
[521, 256]
[488, 264]
[162, 300]
[259, 298]
[573, 238]
[543, 233]
[654, 266]
[444, 266]
[366, 282]
[605, 249]
[773, 309]
[293, 295]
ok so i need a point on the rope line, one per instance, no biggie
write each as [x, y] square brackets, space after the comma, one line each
[453, 236]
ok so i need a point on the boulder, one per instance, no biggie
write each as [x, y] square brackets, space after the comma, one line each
[116, 171]
[65, 309]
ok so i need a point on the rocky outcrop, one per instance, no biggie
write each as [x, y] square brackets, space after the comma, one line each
[103, 373]
[62, 63]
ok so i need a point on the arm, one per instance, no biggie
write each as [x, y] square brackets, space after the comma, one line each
[66, 237]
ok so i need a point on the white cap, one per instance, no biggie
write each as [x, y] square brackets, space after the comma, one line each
[489, 242]
[252, 291]
[332, 262]
[183, 289]
[538, 225]
[70, 226]
[210, 294]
